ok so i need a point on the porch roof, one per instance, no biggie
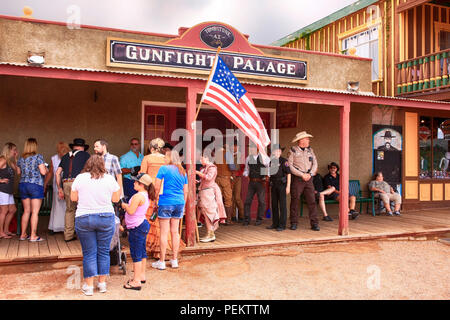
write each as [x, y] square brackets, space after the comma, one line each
[257, 89]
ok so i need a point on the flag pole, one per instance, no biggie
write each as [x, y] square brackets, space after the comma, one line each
[209, 78]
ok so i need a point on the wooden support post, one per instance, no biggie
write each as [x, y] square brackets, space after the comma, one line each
[404, 77]
[421, 75]
[409, 76]
[399, 79]
[426, 80]
[190, 218]
[433, 71]
[345, 167]
[437, 69]
[445, 70]
[415, 75]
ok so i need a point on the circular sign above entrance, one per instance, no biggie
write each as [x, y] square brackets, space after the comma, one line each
[217, 35]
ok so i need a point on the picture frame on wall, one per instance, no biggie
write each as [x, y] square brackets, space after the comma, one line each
[287, 114]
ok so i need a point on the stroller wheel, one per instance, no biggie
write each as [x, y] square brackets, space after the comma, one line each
[123, 265]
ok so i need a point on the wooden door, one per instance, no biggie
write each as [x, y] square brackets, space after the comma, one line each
[159, 122]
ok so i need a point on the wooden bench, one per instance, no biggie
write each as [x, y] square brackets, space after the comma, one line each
[354, 188]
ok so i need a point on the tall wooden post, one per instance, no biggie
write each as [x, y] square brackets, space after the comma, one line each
[190, 220]
[345, 167]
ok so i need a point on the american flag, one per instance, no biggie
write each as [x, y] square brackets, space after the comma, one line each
[225, 92]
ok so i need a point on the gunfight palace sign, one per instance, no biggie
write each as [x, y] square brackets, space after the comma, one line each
[163, 57]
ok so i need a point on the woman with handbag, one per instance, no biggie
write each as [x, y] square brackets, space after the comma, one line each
[150, 165]
[210, 202]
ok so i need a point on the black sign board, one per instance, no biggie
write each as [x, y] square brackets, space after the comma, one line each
[130, 54]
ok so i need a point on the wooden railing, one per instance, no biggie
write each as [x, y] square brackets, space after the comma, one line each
[424, 74]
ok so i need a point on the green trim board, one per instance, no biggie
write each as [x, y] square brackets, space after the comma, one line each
[354, 7]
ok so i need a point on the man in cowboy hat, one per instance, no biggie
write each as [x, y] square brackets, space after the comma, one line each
[387, 146]
[70, 166]
[303, 165]
[280, 185]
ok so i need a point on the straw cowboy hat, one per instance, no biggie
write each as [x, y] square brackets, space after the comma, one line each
[302, 135]
[143, 178]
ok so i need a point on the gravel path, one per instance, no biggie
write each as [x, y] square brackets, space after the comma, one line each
[366, 270]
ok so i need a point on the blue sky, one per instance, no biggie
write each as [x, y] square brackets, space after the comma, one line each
[264, 20]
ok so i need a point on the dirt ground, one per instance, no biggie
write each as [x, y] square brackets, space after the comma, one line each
[390, 270]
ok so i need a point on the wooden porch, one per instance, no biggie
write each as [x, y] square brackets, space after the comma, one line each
[425, 223]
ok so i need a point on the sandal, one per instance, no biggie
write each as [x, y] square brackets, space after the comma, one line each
[6, 237]
[143, 281]
[129, 286]
[26, 238]
[38, 239]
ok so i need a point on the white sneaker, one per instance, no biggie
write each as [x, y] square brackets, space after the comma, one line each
[101, 287]
[161, 265]
[87, 290]
[174, 263]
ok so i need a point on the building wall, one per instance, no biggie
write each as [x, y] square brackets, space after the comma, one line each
[86, 48]
[61, 110]
[404, 35]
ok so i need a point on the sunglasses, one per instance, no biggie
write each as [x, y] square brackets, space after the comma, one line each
[135, 144]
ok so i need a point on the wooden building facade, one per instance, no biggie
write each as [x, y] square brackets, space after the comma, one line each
[409, 44]
[408, 41]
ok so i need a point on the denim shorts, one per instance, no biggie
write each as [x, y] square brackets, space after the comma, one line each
[137, 237]
[171, 211]
[31, 191]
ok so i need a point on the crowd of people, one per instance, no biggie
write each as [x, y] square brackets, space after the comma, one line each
[152, 192]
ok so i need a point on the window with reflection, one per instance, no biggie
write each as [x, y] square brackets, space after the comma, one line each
[434, 143]
[441, 154]
[425, 127]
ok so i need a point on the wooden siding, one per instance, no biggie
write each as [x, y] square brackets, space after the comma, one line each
[407, 31]
[365, 227]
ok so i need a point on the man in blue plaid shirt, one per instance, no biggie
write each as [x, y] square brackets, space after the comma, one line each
[112, 164]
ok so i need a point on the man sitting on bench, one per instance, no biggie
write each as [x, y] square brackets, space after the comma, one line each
[331, 192]
[386, 193]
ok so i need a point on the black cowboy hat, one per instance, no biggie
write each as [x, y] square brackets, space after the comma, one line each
[167, 145]
[277, 146]
[388, 134]
[79, 142]
[333, 164]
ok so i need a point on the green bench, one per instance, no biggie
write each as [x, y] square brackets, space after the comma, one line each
[354, 188]
[46, 207]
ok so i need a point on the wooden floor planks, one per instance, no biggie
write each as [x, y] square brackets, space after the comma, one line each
[237, 235]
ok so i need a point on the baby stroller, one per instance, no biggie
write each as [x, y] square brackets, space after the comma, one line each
[117, 257]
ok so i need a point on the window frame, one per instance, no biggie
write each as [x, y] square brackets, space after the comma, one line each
[146, 129]
[432, 140]
[376, 23]
[438, 28]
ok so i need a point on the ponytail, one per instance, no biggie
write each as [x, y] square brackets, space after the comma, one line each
[151, 192]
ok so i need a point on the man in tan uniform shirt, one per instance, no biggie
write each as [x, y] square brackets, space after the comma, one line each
[303, 165]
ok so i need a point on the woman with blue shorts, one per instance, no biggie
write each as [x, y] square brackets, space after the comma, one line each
[32, 170]
[170, 205]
